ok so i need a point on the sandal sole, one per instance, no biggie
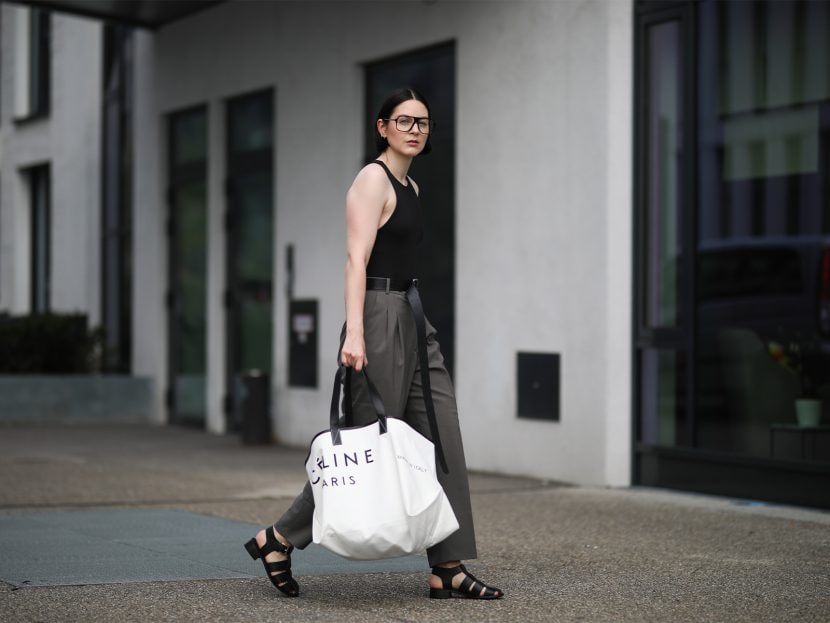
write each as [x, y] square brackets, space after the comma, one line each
[443, 593]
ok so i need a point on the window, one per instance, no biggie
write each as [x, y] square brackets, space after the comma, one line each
[33, 34]
[663, 336]
[762, 154]
[664, 152]
[39, 198]
[733, 248]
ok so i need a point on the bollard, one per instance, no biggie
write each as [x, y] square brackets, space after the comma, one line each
[256, 411]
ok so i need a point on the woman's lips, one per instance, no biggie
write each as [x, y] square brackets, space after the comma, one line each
[415, 143]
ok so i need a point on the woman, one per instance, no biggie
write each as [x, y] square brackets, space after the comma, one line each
[383, 226]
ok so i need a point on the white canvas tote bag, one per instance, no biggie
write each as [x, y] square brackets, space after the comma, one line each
[376, 492]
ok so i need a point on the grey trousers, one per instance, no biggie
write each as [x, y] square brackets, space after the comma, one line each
[392, 351]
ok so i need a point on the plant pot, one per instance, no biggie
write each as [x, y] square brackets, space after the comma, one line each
[808, 411]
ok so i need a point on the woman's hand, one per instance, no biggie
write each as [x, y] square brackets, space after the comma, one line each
[353, 353]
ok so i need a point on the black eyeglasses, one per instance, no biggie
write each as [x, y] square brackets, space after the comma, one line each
[404, 123]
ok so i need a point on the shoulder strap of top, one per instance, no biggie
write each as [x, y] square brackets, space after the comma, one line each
[392, 178]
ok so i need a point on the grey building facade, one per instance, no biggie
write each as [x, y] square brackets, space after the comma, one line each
[629, 266]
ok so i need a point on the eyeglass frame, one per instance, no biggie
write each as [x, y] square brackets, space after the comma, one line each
[415, 123]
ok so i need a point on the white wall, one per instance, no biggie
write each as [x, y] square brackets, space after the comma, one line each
[76, 172]
[69, 140]
[543, 200]
[532, 220]
[619, 246]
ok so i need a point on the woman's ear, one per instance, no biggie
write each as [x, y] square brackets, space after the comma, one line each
[381, 125]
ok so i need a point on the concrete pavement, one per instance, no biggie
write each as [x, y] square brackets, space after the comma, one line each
[561, 553]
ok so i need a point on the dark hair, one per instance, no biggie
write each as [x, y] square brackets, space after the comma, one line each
[391, 102]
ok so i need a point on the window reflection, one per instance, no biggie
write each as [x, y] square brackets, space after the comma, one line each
[664, 151]
[763, 226]
[662, 374]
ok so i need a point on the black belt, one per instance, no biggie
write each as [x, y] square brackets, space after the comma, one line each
[410, 286]
[387, 284]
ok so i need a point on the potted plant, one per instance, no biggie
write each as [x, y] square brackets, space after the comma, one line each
[802, 356]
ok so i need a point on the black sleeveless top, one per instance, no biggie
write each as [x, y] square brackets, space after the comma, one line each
[395, 252]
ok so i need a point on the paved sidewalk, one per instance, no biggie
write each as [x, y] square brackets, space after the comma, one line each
[136, 523]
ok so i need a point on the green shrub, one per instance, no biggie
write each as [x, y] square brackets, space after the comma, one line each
[48, 344]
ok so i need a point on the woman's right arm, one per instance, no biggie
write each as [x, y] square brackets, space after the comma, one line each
[364, 207]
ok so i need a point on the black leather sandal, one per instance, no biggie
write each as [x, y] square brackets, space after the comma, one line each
[470, 587]
[278, 572]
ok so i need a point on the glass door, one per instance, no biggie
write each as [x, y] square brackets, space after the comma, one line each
[250, 238]
[187, 244]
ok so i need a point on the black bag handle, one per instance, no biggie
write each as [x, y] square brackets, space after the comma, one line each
[414, 300]
[345, 374]
[423, 362]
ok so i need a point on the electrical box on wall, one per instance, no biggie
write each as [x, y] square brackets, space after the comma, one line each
[538, 386]
[302, 355]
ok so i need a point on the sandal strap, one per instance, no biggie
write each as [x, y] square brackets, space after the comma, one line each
[281, 565]
[446, 574]
[467, 584]
[273, 545]
[488, 590]
[470, 584]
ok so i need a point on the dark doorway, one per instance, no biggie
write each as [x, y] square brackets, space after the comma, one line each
[116, 193]
[249, 223]
[187, 258]
[431, 71]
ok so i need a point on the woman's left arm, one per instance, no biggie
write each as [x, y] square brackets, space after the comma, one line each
[364, 206]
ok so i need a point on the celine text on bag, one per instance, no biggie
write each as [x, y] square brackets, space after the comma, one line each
[376, 493]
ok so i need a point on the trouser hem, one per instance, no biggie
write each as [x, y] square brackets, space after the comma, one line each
[297, 539]
[437, 558]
